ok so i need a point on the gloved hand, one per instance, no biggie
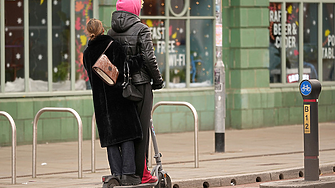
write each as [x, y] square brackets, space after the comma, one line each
[156, 86]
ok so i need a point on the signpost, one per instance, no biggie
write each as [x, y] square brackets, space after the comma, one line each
[310, 90]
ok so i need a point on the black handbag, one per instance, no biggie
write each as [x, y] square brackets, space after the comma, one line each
[130, 92]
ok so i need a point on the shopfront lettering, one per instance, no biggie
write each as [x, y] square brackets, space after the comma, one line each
[290, 30]
[328, 52]
[331, 40]
[157, 33]
[290, 42]
[275, 16]
[161, 46]
[175, 59]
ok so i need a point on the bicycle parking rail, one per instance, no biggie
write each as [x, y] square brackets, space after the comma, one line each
[80, 135]
[12, 123]
[196, 122]
[92, 145]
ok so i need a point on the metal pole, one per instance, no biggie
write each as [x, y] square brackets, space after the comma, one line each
[12, 123]
[219, 77]
[80, 136]
[310, 90]
[196, 122]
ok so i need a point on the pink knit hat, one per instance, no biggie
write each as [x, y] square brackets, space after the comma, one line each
[132, 6]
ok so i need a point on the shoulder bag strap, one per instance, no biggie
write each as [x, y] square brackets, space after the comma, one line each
[107, 46]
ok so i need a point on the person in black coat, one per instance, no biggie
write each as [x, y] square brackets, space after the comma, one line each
[116, 117]
[136, 38]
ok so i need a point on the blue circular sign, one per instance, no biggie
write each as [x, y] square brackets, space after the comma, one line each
[305, 88]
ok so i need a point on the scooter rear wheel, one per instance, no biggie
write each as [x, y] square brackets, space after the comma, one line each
[164, 181]
[112, 183]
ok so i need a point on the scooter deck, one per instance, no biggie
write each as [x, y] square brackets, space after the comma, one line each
[147, 185]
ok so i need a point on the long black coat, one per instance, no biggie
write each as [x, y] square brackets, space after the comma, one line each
[116, 117]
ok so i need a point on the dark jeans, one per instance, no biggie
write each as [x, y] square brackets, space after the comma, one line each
[121, 158]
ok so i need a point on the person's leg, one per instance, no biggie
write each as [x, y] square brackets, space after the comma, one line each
[144, 108]
[128, 162]
[115, 160]
[128, 157]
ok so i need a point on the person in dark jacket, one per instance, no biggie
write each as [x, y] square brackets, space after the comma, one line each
[136, 39]
[117, 119]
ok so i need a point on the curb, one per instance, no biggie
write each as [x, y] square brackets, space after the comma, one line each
[230, 180]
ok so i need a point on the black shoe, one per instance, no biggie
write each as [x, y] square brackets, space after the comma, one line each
[130, 179]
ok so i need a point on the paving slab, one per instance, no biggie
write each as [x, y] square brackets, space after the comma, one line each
[251, 156]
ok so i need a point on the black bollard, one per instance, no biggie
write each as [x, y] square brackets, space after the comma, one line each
[310, 90]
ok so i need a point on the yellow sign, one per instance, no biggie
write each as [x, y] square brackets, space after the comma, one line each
[307, 119]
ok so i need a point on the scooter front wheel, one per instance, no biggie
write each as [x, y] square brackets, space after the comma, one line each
[164, 181]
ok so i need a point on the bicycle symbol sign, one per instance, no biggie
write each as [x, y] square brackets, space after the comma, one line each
[305, 88]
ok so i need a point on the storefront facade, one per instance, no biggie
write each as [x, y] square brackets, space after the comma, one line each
[41, 45]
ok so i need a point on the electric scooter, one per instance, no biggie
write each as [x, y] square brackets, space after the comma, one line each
[164, 180]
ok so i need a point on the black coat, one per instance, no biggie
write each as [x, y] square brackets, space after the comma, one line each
[136, 38]
[116, 117]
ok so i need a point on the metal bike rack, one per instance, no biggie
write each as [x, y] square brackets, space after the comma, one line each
[12, 123]
[80, 136]
[196, 121]
[92, 145]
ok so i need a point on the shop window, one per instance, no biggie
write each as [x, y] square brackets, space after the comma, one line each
[61, 55]
[311, 40]
[199, 58]
[201, 8]
[38, 45]
[328, 42]
[153, 8]
[201, 55]
[291, 43]
[157, 28]
[14, 46]
[0, 49]
[84, 11]
[177, 53]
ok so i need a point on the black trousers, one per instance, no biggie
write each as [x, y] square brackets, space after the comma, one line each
[144, 108]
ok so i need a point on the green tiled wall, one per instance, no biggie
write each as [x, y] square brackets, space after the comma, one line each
[252, 108]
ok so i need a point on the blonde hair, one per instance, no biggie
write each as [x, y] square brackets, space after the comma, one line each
[142, 2]
[94, 28]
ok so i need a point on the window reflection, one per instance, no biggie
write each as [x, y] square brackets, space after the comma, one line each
[291, 42]
[201, 55]
[328, 42]
[201, 7]
[177, 6]
[157, 28]
[84, 12]
[0, 52]
[60, 45]
[311, 40]
[177, 53]
[14, 46]
[153, 8]
[38, 45]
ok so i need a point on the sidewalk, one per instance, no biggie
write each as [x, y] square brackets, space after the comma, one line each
[264, 154]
